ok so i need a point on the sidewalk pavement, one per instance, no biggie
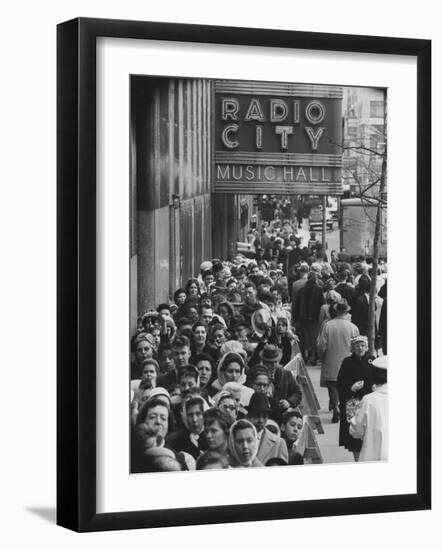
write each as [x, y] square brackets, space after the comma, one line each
[328, 441]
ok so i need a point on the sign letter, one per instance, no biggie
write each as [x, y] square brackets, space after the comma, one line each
[254, 112]
[229, 108]
[284, 131]
[230, 144]
[278, 110]
[314, 136]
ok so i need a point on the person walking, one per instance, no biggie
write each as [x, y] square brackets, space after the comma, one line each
[355, 379]
[334, 344]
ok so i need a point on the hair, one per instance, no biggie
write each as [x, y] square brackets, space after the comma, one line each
[276, 461]
[188, 370]
[183, 321]
[181, 342]
[150, 404]
[232, 357]
[209, 458]
[214, 415]
[290, 414]
[191, 282]
[193, 401]
[204, 357]
[241, 425]
[250, 285]
[163, 306]
[178, 292]
[198, 324]
[214, 327]
[159, 464]
[379, 376]
[205, 306]
[267, 297]
[206, 273]
[364, 284]
[153, 362]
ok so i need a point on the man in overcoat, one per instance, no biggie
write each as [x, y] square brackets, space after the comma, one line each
[334, 344]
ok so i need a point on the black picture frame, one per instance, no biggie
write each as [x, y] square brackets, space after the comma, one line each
[76, 273]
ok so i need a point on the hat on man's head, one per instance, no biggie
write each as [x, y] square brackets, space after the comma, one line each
[259, 402]
[341, 307]
[271, 353]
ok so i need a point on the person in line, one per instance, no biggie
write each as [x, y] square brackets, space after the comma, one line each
[190, 439]
[270, 445]
[243, 445]
[291, 427]
[370, 424]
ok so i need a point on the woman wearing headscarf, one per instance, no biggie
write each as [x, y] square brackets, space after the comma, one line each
[190, 439]
[231, 368]
[355, 379]
[143, 348]
[243, 445]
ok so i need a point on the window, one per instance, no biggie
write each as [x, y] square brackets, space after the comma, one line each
[377, 109]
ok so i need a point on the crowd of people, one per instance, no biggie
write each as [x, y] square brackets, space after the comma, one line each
[212, 383]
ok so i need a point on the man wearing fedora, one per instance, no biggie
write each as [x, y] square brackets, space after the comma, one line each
[334, 345]
[270, 445]
[283, 387]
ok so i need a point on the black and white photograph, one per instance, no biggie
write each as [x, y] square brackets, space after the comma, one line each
[258, 274]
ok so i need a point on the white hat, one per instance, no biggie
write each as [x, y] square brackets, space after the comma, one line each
[206, 265]
[380, 362]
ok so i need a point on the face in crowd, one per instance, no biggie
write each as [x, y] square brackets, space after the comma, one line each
[359, 349]
[258, 419]
[166, 361]
[206, 315]
[187, 382]
[149, 374]
[181, 356]
[250, 295]
[200, 335]
[205, 371]
[229, 408]
[232, 372]
[292, 428]
[195, 419]
[219, 338]
[245, 444]
[157, 420]
[216, 436]
[261, 384]
[143, 351]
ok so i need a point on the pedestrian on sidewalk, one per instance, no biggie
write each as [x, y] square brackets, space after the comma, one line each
[355, 379]
[334, 343]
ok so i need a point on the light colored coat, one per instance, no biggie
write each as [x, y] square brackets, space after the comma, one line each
[371, 425]
[271, 446]
[334, 346]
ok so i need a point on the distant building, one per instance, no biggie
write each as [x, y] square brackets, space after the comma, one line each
[364, 111]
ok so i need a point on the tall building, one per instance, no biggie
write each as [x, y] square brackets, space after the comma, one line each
[364, 139]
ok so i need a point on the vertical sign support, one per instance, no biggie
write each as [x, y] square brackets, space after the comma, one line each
[324, 221]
